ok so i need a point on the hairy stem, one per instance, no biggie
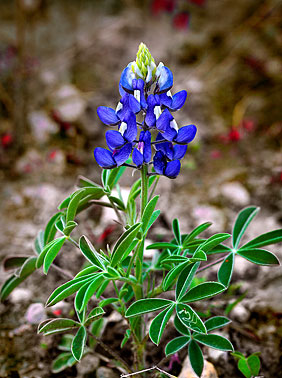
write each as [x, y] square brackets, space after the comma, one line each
[207, 266]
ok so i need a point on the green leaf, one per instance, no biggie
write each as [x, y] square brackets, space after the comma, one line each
[114, 176]
[198, 230]
[107, 301]
[28, 267]
[105, 177]
[63, 361]
[244, 368]
[172, 274]
[90, 252]
[268, 238]
[88, 270]
[220, 248]
[51, 326]
[159, 323]
[67, 289]
[72, 207]
[190, 318]
[176, 344]
[254, 364]
[259, 256]
[231, 305]
[212, 242]
[52, 253]
[120, 251]
[214, 341]
[153, 219]
[185, 279]
[102, 288]
[126, 338]
[65, 343]
[202, 291]
[118, 202]
[14, 262]
[199, 255]
[148, 212]
[241, 223]
[95, 314]
[84, 181]
[176, 230]
[78, 343]
[175, 259]
[50, 230]
[162, 246]
[39, 242]
[196, 357]
[226, 269]
[142, 306]
[70, 226]
[180, 327]
[216, 322]
[41, 257]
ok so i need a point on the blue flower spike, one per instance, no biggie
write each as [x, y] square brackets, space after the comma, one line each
[145, 93]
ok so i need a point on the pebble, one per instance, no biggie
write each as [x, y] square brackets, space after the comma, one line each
[207, 213]
[240, 313]
[187, 371]
[89, 366]
[42, 126]
[20, 295]
[236, 193]
[35, 313]
[69, 103]
[104, 372]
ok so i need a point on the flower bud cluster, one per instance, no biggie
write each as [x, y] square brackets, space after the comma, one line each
[145, 93]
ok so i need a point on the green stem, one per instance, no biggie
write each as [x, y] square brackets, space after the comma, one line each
[144, 187]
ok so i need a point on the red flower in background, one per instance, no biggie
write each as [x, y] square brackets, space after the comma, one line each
[159, 6]
[181, 20]
[6, 140]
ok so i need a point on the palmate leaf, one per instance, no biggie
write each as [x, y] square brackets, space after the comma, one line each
[51, 326]
[114, 176]
[268, 238]
[198, 230]
[185, 279]
[63, 361]
[180, 327]
[203, 291]
[86, 292]
[78, 343]
[226, 269]
[189, 318]
[52, 253]
[95, 314]
[162, 245]
[148, 212]
[159, 323]
[143, 306]
[73, 204]
[212, 242]
[90, 253]
[176, 230]
[173, 274]
[177, 344]
[241, 223]
[216, 322]
[258, 256]
[196, 357]
[70, 226]
[39, 242]
[214, 341]
[67, 289]
[152, 220]
[50, 229]
[13, 262]
[41, 257]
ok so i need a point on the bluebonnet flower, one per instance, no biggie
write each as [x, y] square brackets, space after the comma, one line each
[137, 95]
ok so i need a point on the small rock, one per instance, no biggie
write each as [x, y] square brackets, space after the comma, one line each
[104, 372]
[206, 213]
[20, 295]
[240, 313]
[35, 313]
[89, 365]
[215, 354]
[41, 126]
[69, 104]
[187, 371]
[236, 193]
[29, 163]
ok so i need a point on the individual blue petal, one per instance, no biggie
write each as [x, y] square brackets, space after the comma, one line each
[114, 139]
[104, 158]
[121, 90]
[126, 79]
[134, 104]
[138, 86]
[186, 134]
[130, 133]
[107, 115]
[153, 102]
[166, 99]
[178, 100]
[147, 146]
[163, 125]
[165, 80]
[120, 156]
[179, 151]
[172, 169]
[159, 162]
[137, 157]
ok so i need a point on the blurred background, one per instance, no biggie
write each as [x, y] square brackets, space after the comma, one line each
[61, 59]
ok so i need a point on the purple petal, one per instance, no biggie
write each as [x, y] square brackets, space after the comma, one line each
[159, 162]
[179, 151]
[114, 139]
[137, 157]
[186, 134]
[107, 115]
[165, 81]
[104, 158]
[122, 154]
[172, 169]
[178, 100]
[130, 133]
